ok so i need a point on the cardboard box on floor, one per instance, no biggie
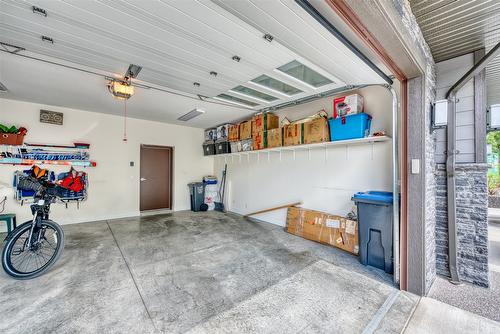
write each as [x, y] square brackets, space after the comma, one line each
[234, 132]
[316, 131]
[293, 134]
[264, 122]
[275, 137]
[324, 228]
[246, 130]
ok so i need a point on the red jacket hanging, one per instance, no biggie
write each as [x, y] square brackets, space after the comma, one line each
[74, 181]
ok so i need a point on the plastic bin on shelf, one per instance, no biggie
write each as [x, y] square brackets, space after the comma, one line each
[350, 127]
[375, 224]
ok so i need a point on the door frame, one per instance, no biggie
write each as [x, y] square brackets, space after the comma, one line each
[171, 176]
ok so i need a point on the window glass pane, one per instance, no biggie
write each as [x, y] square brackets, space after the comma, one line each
[304, 73]
[267, 81]
[254, 93]
[237, 99]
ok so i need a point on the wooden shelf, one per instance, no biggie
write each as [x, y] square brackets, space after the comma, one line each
[26, 162]
[324, 145]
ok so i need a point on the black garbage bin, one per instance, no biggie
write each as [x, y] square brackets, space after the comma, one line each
[375, 220]
[197, 193]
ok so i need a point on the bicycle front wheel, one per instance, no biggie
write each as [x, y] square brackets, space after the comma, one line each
[23, 261]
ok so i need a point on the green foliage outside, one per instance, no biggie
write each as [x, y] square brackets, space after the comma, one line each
[493, 139]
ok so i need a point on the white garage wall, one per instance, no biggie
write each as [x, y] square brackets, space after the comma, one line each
[322, 180]
[114, 185]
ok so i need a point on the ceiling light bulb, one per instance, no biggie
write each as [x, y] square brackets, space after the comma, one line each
[121, 90]
[236, 59]
[196, 84]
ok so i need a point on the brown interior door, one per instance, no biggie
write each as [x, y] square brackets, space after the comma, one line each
[156, 177]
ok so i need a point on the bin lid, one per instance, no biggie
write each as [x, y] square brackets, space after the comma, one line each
[373, 195]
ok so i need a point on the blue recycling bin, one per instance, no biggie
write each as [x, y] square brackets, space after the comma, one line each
[375, 224]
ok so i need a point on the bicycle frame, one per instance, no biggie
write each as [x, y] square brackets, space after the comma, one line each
[40, 211]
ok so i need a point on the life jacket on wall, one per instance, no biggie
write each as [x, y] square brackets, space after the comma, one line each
[39, 173]
[74, 181]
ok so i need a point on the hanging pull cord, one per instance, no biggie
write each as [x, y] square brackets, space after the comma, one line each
[125, 123]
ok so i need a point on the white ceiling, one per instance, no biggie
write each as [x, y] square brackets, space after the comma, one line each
[453, 28]
[177, 43]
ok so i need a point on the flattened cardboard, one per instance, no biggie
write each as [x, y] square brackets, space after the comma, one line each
[321, 227]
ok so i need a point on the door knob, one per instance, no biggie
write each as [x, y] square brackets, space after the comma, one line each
[143, 179]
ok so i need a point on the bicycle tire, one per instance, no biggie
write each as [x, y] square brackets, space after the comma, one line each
[11, 241]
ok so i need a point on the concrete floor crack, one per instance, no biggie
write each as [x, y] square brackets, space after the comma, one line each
[132, 276]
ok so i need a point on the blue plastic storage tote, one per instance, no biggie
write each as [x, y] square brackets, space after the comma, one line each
[350, 127]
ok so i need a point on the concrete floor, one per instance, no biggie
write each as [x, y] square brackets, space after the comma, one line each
[472, 298]
[202, 273]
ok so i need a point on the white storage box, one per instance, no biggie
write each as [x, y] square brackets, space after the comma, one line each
[210, 135]
[347, 105]
[223, 131]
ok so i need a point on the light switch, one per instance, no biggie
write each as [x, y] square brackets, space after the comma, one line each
[415, 166]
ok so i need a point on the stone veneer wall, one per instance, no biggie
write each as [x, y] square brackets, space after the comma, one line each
[472, 223]
[413, 29]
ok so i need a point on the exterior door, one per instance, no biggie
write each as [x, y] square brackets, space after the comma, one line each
[156, 177]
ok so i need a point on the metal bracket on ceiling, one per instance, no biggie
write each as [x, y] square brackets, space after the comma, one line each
[11, 48]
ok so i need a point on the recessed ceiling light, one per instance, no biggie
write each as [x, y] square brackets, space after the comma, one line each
[40, 11]
[196, 84]
[268, 37]
[213, 73]
[192, 114]
[236, 59]
[47, 39]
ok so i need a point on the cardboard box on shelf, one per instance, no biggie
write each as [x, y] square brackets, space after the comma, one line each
[275, 137]
[321, 227]
[293, 134]
[259, 140]
[347, 105]
[234, 132]
[316, 131]
[246, 130]
[264, 122]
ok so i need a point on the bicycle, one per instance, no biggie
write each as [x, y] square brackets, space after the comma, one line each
[32, 248]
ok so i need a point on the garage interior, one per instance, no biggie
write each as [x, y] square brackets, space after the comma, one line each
[133, 89]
